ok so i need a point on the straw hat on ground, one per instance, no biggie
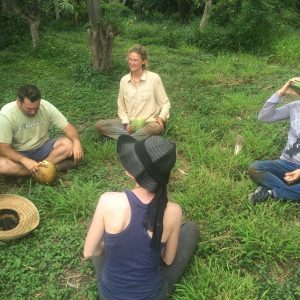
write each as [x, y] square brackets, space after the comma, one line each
[18, 216]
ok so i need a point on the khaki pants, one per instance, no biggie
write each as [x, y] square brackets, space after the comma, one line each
[113, 128]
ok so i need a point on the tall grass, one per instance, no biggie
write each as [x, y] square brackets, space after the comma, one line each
[287, 50]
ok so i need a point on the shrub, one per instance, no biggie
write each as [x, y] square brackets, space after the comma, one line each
[164, 33]
[142, 33]
[287, 50]
[12, 30]
[290, 17]
[239, 25]
[181, 10]
[215, 38]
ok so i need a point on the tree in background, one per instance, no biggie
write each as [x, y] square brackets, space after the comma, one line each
[149, 8]
[206, 15]
[12, 29]
[30, 12]
[246, 24]
[57, 9]
[77, 9]
[238, 25]
[185, 9]
[105, 24]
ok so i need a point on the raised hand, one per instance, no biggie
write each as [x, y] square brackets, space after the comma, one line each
[287, 90]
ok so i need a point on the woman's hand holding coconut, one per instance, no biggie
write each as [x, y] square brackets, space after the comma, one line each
[160, 122]
[128, 128]
[292, 87]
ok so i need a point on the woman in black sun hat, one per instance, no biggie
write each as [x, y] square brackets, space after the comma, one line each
[137, 240]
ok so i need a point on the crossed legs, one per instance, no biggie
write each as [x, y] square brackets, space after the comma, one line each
[59, 150]
[270, 174]
[113, 128]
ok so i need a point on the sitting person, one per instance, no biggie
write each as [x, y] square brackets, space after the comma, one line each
[142, 98]
[279, 178]
[137, 240]
[24, 140]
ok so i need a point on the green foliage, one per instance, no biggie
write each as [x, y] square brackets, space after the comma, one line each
[113, 13]
[288, 289]
[220, 283]
[12, 29]
[169, 8]
[239, 25]
[76, 9]
[215, 39]
[289, 17]
[278, 5]
[245, 252]
[31, 8]
[148, 7]
[50, 268]
[163, 33]
[287, 50]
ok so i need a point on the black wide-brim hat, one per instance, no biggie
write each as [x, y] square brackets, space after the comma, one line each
[161, 152]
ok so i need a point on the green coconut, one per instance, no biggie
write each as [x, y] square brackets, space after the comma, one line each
[296, 87]
[137, 124]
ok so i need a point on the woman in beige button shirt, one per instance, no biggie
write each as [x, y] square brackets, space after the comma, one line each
[142, 96]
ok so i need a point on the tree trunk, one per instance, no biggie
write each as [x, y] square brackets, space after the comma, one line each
[57, 10]
[206, 15]
[101, 38]
[107, 41]
[34, 29]
[95, 48]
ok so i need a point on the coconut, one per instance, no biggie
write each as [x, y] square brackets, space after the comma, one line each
[137, 124]
[45, 173]
[296, 87]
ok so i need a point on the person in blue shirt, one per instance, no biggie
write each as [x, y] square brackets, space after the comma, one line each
[280, 178]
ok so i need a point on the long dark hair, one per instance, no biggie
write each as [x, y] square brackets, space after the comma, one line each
[155, 213]
[155, 216]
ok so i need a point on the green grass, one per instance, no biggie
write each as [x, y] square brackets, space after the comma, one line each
[245, 252]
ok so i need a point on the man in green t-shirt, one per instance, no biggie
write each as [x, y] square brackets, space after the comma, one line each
[24, 139]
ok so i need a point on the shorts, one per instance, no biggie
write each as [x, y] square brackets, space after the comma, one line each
[42, 152]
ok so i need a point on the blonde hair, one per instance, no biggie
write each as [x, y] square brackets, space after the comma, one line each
[141, 51]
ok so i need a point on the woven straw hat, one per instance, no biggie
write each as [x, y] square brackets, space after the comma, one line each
[18, 216]
[162, 154]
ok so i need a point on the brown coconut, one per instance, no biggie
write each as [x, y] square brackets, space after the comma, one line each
[45, 173]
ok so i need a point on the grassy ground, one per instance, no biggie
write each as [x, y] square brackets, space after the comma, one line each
[245, 252]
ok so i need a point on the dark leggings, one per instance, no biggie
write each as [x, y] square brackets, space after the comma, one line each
[188, 240]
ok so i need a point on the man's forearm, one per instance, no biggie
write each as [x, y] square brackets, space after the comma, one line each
[9, 152]
[71, 133]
